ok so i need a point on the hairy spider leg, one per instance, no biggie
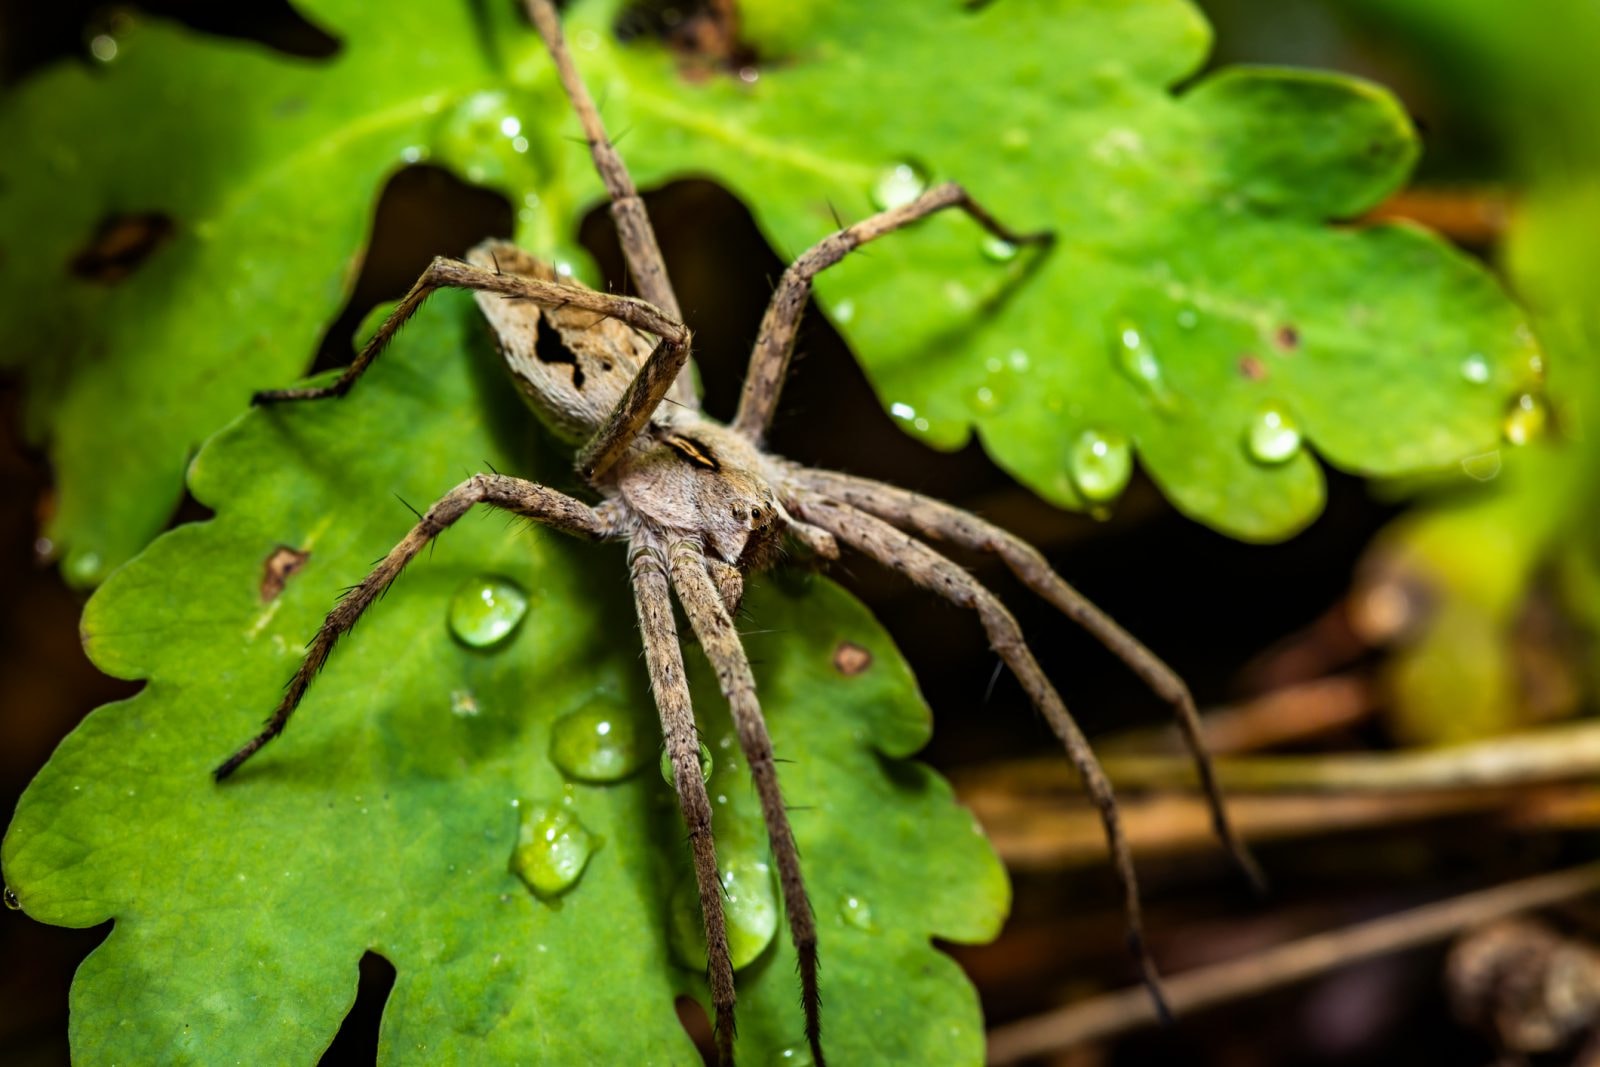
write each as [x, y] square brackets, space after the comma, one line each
[664, 657]
[769, 362]
[638, 403]
[638, 238]
[703, 604]
[546, 506]
[938, 521]
[904, 554]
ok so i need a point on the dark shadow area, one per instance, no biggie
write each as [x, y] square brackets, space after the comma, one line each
[37, 34]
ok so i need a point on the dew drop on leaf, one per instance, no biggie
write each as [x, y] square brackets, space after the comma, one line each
[796, 1056]
[1525, 419]
[1483, 467]
[1136, 358]
[1272, 436]
[898, 186]
[856, 912]
[1475, 369]
[485, 609]
[553, 848]
[12, 902]
[485, 140]
[705, 764]
[998, 249]
[1101, 464]
[597, 743]
[749, 903]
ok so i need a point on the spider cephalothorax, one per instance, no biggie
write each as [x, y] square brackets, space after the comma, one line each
[700, 504]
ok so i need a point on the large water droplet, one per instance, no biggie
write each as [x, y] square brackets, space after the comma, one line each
[597, 743]
[706, 764]
[1136, 358]
[749, 903]
[1272, 436]
[485, 609]
[11, 900]
[856, 912]
[898, 186]
[1475, 369]
[1101, 463]
[553, 848]
[1525, 419]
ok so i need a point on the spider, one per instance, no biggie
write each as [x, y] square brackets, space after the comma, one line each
[701, 504]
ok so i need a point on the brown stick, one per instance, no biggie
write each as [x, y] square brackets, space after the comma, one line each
[1115, 1013]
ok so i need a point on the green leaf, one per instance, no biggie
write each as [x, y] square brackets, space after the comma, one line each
[1197, 221]
[387, 816]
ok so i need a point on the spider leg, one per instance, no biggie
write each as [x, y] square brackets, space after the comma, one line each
[900, 552]
[638, 239]
[938, 521]
[769, 363]
[511, 494]
[665, 659]
[445, 273]
[703, 604]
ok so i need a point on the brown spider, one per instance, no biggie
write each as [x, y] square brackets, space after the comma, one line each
[700, 504]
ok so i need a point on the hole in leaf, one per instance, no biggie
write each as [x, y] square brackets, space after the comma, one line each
[120, 245]
[357, 1040]
[422, 212]
[283, 563]
[697, 1025]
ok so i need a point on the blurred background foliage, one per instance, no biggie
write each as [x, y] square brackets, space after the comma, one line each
[1407, 617]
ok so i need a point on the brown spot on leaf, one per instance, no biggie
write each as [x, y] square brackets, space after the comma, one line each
[703, 33]
[1287, 337]
[121, 243]
[281, 565]
[1250, 366]
[851, 659]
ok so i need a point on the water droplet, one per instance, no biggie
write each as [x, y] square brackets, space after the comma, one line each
[597, 743]
[486, 609]
[1101, 464]
[796, 1056]
[856, 912]
[844, 311]
[1475, 368]
[485, 139]
[11, 900]
[898, 186]
[1484, 467]
[1525, 419]
[749, 903]
[553, 848]
[705, 764]
[83, 568]
[1136, 358]
[103, 47]
[463, 703]
[985, 400]
[903, 412]
[1272, 436]
[998, 249]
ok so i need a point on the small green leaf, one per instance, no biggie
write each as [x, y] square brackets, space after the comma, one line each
[404, 809]
[1200, 218]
